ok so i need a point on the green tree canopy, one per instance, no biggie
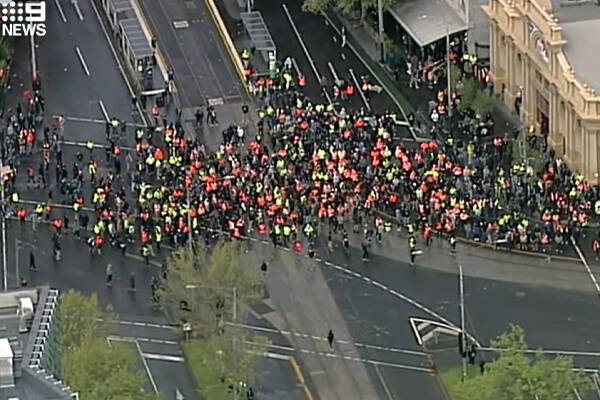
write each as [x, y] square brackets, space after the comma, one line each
[317, 6]
[80, 319]
[89, 365]
[204, 283]
[102, 372]
[219, 355]
[472, 95]
[224, 360]
[516, 376]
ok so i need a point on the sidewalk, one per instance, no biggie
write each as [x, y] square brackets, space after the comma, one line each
[304, 303]
[203, 71]
[412, 100]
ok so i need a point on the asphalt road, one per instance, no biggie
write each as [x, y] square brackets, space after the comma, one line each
[203, 69]
[324, 49]
[552, 319]
[67, 87]
[71, 91]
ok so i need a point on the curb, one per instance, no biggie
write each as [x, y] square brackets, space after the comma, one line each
[473, 243]
[300, 376]
[470, 243]
[233, 53]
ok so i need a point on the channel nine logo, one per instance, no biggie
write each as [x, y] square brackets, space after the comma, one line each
[23, 18]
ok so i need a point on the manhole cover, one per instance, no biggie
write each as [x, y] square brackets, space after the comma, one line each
[181, 24]
[217, 101]
[190, 5]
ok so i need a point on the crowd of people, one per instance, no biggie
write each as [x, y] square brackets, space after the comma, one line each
[304, 169]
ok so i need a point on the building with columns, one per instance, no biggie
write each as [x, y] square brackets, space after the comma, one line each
[545, 61]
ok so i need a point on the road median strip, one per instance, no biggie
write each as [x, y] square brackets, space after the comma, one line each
[233, 53]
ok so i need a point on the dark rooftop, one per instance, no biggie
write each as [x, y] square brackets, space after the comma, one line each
[31, 381]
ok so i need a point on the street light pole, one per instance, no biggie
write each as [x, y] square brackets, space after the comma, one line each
[380, 19]
[3, 222]
[17, 248]
[234, 310]
[461, 289]
[189, 218]
[448, 70]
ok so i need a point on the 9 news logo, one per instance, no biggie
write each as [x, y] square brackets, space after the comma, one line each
[23, 18]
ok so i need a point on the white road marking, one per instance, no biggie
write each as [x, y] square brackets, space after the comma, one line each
[348, 358]
[357, 54]
[339, 341]
[305, 49]
[143, 339]
[82, 61]
[336, 78]
[96, 145]
[77, 9]
[359, 88]
[60, 11]
[95, 121]
[146, 367]
[388, 392]
[162, 357]
[587, 267]
[139, 323]
[296, 68]
[104, 112]
[548, 351]
[116, 58]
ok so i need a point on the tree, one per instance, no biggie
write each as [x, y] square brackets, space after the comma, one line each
[472, 96]
[516, 376]
[222, 362]
[88, 364]
[344, 6]
[203, 287]
[98, 371]
[81, 318]
[199, 289]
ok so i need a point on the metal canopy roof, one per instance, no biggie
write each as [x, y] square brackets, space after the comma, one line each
[120, 5]
[258, 31]
[427, 20]
[136, 38]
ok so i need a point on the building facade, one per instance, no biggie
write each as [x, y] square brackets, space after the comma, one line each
[545, 60]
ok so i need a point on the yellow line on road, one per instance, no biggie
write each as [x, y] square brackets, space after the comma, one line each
[233, 53]
[300, 376]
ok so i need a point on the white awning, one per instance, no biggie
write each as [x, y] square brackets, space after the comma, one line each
[427, 20]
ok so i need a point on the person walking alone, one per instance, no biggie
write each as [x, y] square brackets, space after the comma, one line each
[330, 339]
[109, 275]
[32, 265]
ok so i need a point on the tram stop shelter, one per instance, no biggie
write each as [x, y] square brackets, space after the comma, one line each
[134, 43]
[260, 37]
[117, 10]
